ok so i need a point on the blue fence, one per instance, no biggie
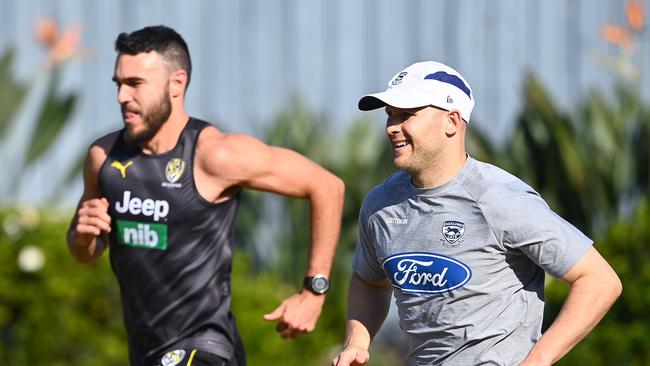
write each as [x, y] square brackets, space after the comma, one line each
[251, 57]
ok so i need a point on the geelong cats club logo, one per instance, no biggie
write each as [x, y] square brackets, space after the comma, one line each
[452, 232]
[399, 78]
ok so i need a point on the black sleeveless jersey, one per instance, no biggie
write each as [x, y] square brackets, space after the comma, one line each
[170, 250]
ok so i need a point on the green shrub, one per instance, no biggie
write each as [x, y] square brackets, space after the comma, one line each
[58, 312]
[64, 313]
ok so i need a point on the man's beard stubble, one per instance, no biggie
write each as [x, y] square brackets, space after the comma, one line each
[153, 118]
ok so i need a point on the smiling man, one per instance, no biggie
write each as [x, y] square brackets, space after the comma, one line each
[463, 245]
[162, 193]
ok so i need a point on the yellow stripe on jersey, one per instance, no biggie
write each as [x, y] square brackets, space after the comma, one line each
[189, 362]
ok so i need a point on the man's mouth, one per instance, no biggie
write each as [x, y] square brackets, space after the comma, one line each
[400, 144]
[128, 115]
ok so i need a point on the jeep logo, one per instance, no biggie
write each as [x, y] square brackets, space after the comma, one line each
[148, 207]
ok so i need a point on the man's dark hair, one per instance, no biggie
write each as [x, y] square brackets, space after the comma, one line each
[161, 39]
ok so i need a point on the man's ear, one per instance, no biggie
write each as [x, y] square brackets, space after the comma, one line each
[454, 122]
[177, 83]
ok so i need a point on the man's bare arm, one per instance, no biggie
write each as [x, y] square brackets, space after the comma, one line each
[594, 288]
[87, 236]
[368, 304]
[245, 162]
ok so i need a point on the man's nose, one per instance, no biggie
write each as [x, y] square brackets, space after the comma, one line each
[124, 94]
[392, 127]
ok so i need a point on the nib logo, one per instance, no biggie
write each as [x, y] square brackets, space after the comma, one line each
[142, 234]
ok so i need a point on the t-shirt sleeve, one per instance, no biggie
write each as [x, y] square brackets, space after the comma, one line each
[365, 262]
[523, 221]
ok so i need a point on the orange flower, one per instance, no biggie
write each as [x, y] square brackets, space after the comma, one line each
[635, 14]
[66, 45]
[616, 35]
[61, 46]
[47, 32]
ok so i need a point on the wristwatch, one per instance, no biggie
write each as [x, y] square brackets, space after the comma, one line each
[318, 284]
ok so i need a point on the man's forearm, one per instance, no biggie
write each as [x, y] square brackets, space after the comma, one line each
[326, 212]
[367, 309]
[84, 248]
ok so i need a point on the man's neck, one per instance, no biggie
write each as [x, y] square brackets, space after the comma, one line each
[168, 135]
[441, 171]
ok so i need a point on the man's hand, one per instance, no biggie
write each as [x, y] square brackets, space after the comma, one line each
[351, 356]
[93, 218]
[297, 314]
[87, 238]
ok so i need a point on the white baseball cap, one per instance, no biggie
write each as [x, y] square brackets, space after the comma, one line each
[422, 84]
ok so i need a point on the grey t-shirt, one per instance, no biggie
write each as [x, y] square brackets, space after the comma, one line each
[466, 260]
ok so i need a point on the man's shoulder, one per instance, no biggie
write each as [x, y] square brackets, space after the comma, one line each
[218, 146]
[393, 187]
[107, 141]
[394, 182]
[231, 155]
[501, 196]
[101, 147]
[490, 182]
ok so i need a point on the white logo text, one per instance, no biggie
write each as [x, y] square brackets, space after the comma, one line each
[147, 207]
[409, 273]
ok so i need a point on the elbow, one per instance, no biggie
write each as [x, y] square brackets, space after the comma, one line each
[617, 287]
[611, 287]
[326, 188]
[333, 187]
[338, 187]
[615, 284]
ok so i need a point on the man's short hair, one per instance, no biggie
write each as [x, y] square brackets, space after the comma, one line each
[164, 40]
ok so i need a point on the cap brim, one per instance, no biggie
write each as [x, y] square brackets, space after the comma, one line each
[370, 102]
[391, 98]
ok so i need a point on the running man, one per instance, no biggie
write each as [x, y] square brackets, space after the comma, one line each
[162, 194]
[463, 245]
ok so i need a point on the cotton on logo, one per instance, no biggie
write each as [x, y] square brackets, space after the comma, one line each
[396, 221]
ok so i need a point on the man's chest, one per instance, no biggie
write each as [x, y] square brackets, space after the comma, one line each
[433, 248]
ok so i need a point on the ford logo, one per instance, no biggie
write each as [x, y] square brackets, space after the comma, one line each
[425, 273]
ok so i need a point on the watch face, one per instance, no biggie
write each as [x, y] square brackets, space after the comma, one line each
[318, 284]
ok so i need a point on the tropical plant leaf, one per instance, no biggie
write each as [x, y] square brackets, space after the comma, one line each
[478, 144]
[12, 93]
[52, 118]
[591, 163]
[73, 175]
